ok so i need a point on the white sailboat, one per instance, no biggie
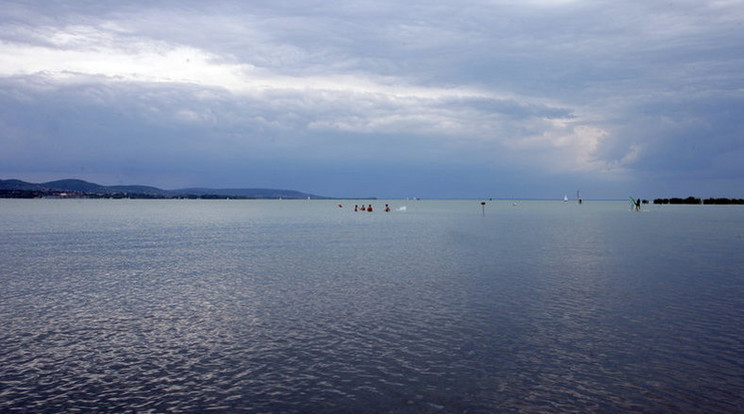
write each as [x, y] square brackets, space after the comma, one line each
[565, 198]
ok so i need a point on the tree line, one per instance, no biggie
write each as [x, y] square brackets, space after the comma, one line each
[695, 200]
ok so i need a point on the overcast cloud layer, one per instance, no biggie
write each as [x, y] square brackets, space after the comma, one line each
[390, 99]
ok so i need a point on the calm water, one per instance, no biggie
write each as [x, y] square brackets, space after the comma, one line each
[302, 306]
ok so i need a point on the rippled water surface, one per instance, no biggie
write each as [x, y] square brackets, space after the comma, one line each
[302, 306]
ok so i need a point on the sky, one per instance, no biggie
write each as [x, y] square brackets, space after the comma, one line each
[390, 99]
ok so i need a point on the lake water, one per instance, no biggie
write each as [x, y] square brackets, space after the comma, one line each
[305, 307]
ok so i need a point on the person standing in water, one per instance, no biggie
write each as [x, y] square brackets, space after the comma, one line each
[369, 208]
[387, 208]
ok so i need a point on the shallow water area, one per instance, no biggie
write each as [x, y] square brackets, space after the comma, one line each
[305, 306]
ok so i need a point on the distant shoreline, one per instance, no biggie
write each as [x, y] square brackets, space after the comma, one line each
[79, 189]
[72, 188]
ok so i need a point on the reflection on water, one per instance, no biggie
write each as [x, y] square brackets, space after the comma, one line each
[258, 306]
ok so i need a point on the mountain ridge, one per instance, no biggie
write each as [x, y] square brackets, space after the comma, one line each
[14, 188]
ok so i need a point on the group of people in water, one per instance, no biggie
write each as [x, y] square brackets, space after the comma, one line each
[369, 208]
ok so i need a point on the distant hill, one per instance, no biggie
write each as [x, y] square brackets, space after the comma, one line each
[17, 185]
[139, 189]
[78, 188]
